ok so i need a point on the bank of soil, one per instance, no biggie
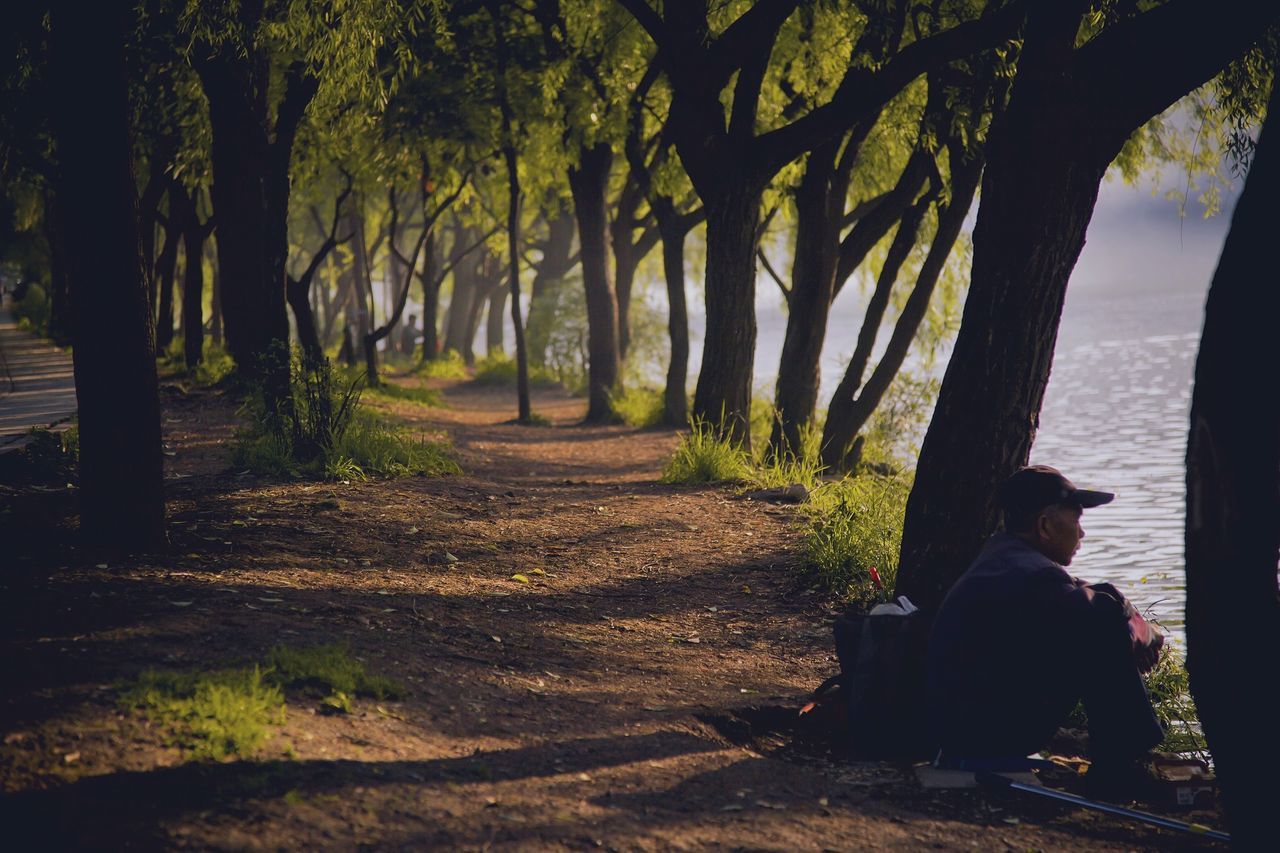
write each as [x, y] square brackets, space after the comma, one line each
[638, 692]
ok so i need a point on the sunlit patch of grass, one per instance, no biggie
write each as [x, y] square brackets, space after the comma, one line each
[213, 715]
[419, 394]
[853, 526]
[500, 369]
[448, 365]
[1170, 689]
[328, 669]
[382, 449]
[638, 406]
[706, 456]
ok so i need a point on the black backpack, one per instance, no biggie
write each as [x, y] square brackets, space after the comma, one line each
[881, 681]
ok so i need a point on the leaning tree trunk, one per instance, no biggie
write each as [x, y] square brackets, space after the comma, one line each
[722, 397]
[588, 182]
[121, 467]
[1233, 507]
[819, 208]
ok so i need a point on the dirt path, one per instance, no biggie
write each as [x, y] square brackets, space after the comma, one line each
[634, 694]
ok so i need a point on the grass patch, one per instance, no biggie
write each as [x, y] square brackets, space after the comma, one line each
[854, 526]
[328, 671]
[223, 713]
[322, 430]
[419, 394]
[638, 407]
[447, 366]
[500, 369]
[704, 456]
[214, 715]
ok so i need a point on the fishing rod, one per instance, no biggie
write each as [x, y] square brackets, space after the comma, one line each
[986, 777]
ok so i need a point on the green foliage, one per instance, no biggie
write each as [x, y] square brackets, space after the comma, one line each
[855, 525]
[1170, 689]
[448, 366]
[213, 715]
[892, 436]
[705, 456]
[500, 369]
[407, 393]
[322, 430]
[328, 670]
[215, 366]
[638, 406]
[33, 310]
[378, 448]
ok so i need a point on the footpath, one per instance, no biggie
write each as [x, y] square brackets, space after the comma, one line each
[37, 385]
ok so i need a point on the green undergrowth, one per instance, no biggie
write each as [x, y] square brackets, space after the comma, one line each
[500, 369]
[323, 430]
[232, 712]
[419, 394]
[638, 406]
[214, 367]
[448, 365]
[852, 527]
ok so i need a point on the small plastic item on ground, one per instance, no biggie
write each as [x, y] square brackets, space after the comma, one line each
[1182, 782]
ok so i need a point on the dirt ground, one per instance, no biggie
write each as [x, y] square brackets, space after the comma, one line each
[637, 694]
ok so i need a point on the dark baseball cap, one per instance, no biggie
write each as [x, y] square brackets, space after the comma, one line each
[1035, 487]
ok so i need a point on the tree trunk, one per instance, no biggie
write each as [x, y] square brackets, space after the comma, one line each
[166, 272]
[121, 467]
[819, 208]
[494, 322]
[215, 294]
[848, 414]
[59, 291]
[675, 402]
[430, 300]
[629, 250]
[182, 208]
[588, 182]
[456, 321]
[1233, 503]
[297, 291]
[722, 397]
[556, 263]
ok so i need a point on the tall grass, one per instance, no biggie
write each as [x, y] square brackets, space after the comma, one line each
[852, 527]
[449, 365]
[705, 456]
[638, 406]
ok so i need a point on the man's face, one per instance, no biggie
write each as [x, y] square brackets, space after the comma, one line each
[1058, 532]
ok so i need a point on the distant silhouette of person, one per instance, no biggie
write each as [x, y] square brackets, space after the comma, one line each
[347, 352]
[1018, 641]
[407, 335]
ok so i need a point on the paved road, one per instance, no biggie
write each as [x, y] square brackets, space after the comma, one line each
[37, 386]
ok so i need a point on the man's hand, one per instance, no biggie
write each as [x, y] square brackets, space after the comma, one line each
[1147, 643]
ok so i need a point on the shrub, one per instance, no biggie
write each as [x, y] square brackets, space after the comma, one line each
[448, 365]
[500, 369]
[704, 456]
[638, 406]
[32, 311]
[1170, 690]
[213, 715]
[215, 365]
[321, 429]
[855, 525]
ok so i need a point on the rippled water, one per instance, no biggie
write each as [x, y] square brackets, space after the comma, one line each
[1115, 418]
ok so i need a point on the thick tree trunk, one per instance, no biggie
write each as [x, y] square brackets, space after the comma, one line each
[297, 292]
[629, 250]
[675, 408]
[722, 397]
[486, 282]
[1233, 504]
[851, 408]
[989, 404]
[121, 467]
[215, 302]
[588, 182]
[59, 290]
[166, 272]
[556, 263]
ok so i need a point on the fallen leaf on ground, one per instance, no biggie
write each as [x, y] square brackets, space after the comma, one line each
[519, 577]
[181, 603]
[71, 757]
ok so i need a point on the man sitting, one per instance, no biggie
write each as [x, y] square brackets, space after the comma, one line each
[1018, 641]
